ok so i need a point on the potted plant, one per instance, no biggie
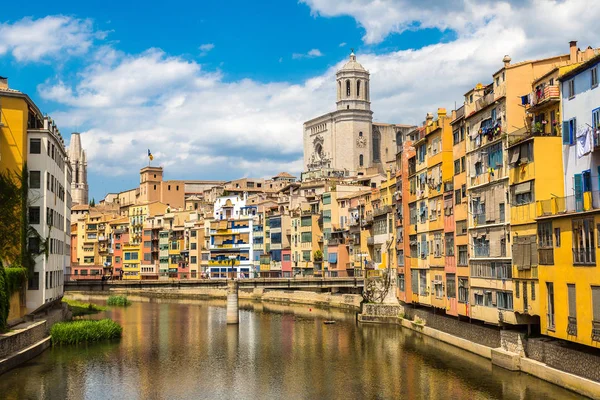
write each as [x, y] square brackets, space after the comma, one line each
[537, 127]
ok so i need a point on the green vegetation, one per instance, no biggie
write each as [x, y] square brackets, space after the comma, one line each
[79, 308]
[118, 301]
[11, 280]
[84, 331]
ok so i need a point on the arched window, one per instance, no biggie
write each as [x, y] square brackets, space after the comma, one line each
[347, 88]
[339, 89]
[360, 134]
[357, 88]
[376, 145]
[367, 91]
[398, 138]
[360, 160]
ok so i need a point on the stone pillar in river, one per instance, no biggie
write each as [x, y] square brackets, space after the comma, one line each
[233, 316]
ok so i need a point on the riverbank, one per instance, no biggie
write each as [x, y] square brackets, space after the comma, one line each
[507, 349]
[28, 339]
[350, 302]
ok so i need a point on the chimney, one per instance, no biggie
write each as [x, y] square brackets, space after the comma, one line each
[3, 82]
[506, 60]
[441, 112]
[573, 51]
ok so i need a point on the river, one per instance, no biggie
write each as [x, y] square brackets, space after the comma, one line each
[184, 350]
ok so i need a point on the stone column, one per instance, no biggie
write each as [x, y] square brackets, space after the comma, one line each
[233, 316]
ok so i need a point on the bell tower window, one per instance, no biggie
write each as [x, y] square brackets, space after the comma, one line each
[360, 160]
[376, 145]
[347, 88]
[357, 88]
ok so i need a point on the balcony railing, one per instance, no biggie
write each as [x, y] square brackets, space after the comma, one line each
[561, 205]
[488, 176]
[382, 210]
[484, 101]
[545, 95]
[335, 241]
[585, 256]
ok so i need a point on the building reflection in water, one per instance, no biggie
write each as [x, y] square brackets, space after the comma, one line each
[184, 349]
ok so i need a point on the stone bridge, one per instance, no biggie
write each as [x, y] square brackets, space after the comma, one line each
[335, 285]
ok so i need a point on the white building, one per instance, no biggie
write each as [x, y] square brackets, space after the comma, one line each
[581, 133]
[49, 210]
[231, 238]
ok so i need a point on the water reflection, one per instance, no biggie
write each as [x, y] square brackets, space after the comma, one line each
[184, 349]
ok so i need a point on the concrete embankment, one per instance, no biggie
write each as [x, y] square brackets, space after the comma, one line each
[504, 348]
[324, 299]
[29, 338]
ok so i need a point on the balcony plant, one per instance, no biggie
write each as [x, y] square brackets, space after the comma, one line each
[538, 127]
[318, 255]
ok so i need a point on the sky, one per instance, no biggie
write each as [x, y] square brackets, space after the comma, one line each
[219, 90]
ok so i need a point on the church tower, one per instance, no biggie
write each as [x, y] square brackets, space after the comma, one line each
[353, 86]
[79, 185]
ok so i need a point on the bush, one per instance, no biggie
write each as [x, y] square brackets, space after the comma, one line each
[86, 330]
[118, 301]
[79, 308]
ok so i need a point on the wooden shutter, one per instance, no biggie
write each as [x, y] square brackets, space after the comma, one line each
[578, 187]
[572, 300]
[596, 303]
[565, 132]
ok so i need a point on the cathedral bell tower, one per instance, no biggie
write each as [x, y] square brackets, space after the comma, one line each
[353, 86]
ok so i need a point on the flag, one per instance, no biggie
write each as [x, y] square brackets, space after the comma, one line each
[150, 156]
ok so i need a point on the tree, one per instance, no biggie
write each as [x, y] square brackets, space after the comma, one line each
[93, 202]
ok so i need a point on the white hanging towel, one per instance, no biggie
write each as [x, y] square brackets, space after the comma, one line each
[584, 141]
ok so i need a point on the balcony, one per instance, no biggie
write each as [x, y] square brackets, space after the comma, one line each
[222, 263]
[335, 241]
[584, 256]
[569, 204]
[488, 177]
[368, 217]
[381, 211]
[527, 131]
[484, 101]
[542, 97]
[370, 241]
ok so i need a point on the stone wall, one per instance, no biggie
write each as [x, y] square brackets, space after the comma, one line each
[382, 310]
[513, 342]
[565, 357]
[480, 334]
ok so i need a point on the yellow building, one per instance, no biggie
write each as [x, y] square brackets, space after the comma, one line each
[131, 261]
[14, 115]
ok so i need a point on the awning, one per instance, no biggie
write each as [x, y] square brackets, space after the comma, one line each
[523, 188]
[332, 258]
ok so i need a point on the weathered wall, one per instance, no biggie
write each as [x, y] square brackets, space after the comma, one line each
[566, 358]
[382, 310]
[17, 306]
[484, 335]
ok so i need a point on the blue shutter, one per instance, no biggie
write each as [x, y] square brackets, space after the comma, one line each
[578, 186]
[565, 132]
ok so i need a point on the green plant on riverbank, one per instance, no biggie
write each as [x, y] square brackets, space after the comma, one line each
[118, 301]
[79, 308]
[85, 331]
[11, 280]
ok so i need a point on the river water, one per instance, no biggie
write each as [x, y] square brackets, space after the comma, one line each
[184, 350]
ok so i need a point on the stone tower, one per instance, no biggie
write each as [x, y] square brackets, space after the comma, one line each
[353, 86]
[79, 185]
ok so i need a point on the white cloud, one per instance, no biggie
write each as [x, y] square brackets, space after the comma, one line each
[342, 44]
[52, 37]
[205, 48]
[313, 53]
[201, 126]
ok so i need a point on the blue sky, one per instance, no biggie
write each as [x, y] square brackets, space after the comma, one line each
[220, 91]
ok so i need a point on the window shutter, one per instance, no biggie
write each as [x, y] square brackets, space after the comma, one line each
[565, 132]
[572, 301]
[578, 187]
[596, 303]
[574, 131]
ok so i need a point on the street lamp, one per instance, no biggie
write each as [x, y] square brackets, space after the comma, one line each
[232, 259]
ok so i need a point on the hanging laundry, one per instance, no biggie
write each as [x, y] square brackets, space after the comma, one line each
[525, 100]
[584, 141]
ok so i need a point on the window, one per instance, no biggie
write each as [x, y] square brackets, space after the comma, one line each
[501, 209]
[376, 146]
[521, 154]
[306, 221]
[461, 228]
[287, 257]
[34, 282]
[545, 239]
[423, 282]
[306, 255]
[400, 282]
[462, 164]
[347, 88]
[557, 236]
[504, 300]
[326, 198]
[414, 248]
[594, 77]
[596, 303]
[449, 244]
[517, 288]
[34, 180]
[33, 245]
[532, 290]
[456, 167]
[572, 297]
[34, 215]
[306, 237]
[584, 248]
[360, 160]
[451, 286]
[437, 245]
[357, 88]
[457, 197]
[455, 136]
[550, 303]
[193, 259]
[463, 290]
[193, 246]
[522, 193]
[571, 88]
[35, 146]
[462, 255]
[569, 131]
